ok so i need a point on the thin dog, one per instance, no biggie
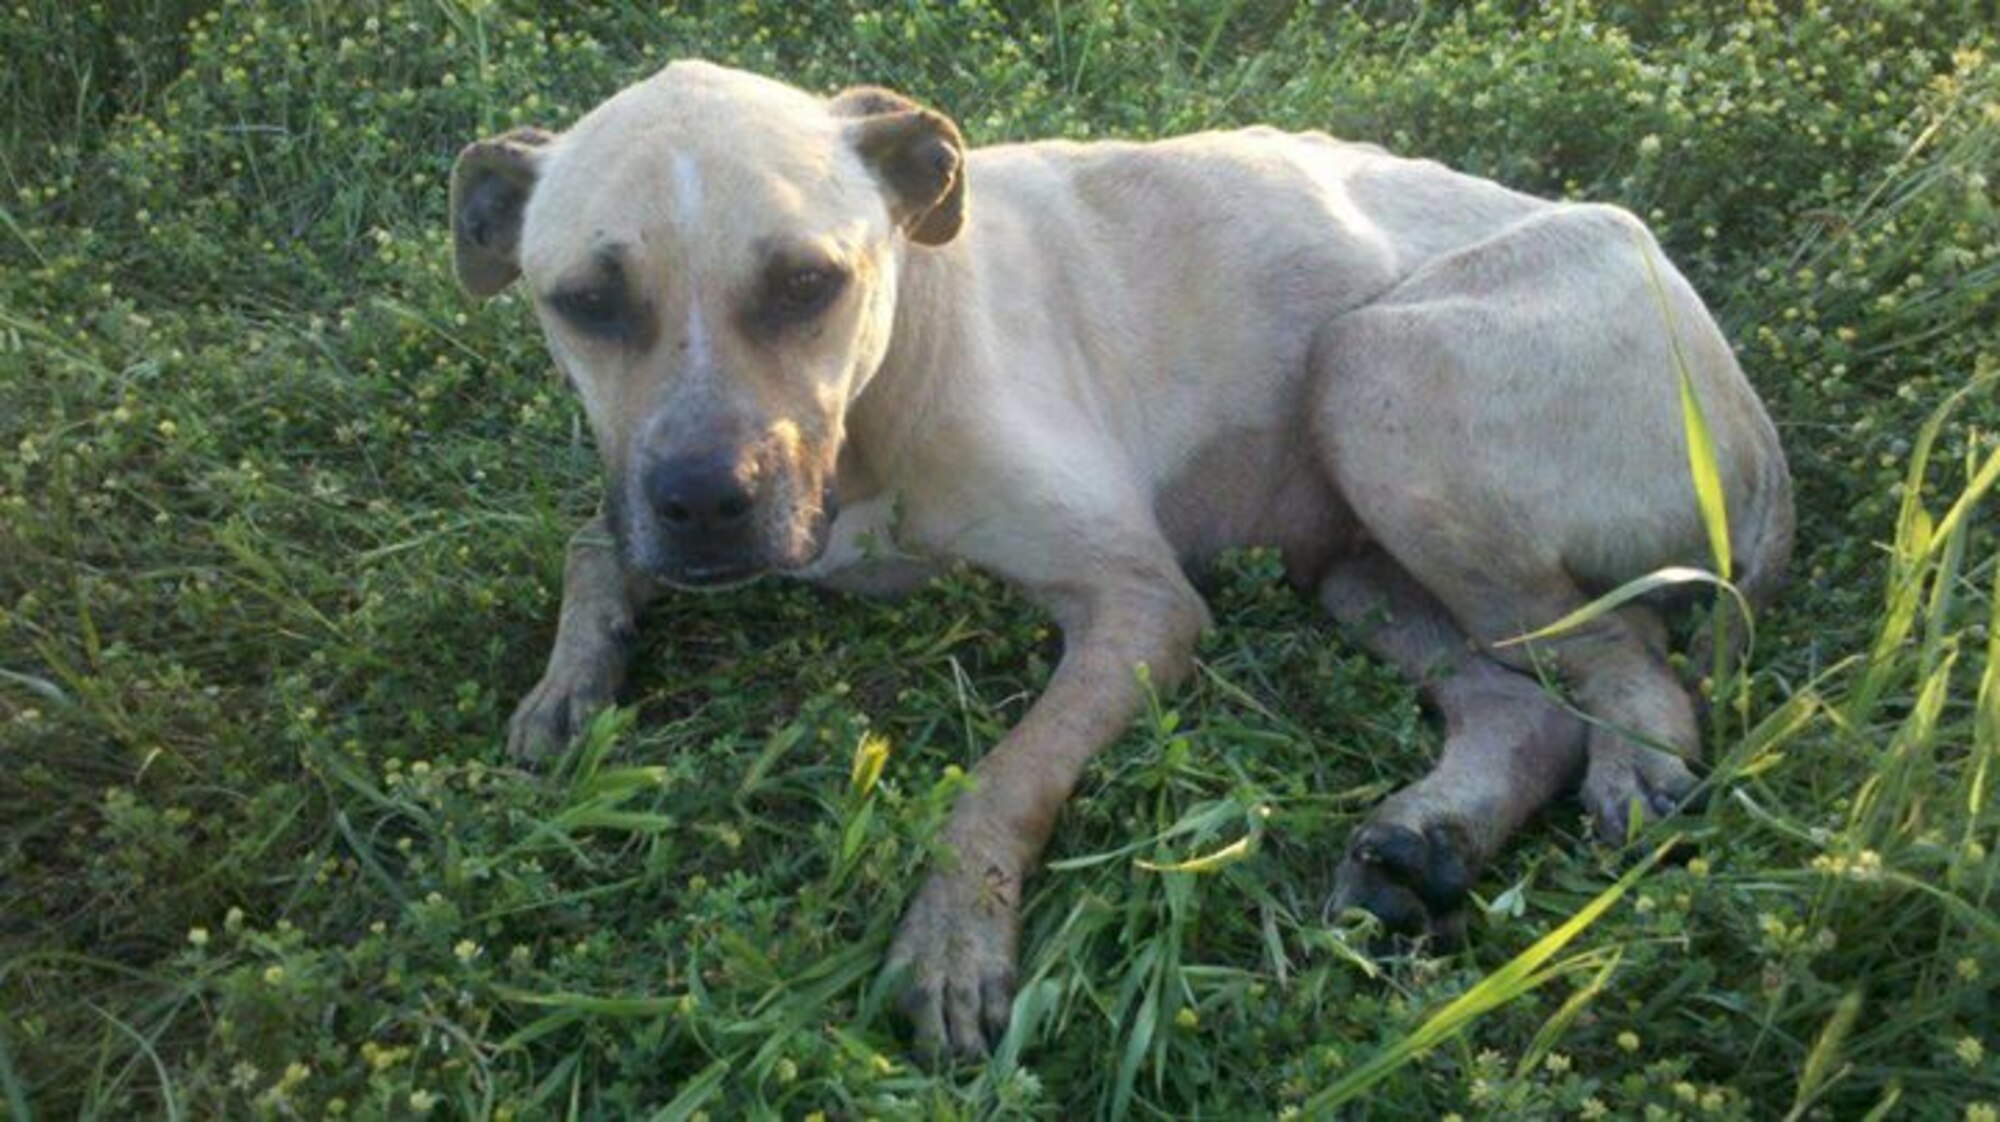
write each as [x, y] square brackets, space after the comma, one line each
[822, 337]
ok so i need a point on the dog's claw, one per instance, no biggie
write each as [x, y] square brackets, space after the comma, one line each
[559, 707]
[954, 957]
[1415, 883]
[1646, 782]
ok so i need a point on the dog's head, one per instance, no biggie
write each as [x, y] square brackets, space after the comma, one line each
[713, 257]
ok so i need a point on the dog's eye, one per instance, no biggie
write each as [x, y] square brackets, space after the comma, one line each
[802, 292]
[593, 311]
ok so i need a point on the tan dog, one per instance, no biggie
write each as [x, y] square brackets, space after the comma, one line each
[821, 337]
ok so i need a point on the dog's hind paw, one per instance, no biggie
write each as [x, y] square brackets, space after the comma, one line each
[1416, 883]
[1625, 789]
[953, 958]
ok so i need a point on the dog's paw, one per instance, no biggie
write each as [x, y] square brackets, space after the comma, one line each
[953, 957]
[1625, 788]
[1416, 883]
[558, 708]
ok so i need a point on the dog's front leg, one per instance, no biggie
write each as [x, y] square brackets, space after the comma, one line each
[955, 951]
[593, 645]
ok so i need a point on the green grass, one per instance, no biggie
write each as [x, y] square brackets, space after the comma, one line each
[281, 520]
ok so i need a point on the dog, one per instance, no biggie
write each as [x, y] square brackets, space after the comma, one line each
[823, 337]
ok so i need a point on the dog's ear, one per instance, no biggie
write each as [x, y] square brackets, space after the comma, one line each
[490, 185]
[918, 156]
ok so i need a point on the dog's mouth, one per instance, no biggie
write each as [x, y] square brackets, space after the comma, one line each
[712, 578]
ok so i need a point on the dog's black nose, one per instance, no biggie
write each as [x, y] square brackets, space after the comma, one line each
[704, 493]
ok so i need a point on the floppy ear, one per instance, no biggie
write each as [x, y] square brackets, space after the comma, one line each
[490, 185]
[916, 154]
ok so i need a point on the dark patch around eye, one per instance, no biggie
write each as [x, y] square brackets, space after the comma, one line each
[792, 291]
[602, 306]
[595, 310]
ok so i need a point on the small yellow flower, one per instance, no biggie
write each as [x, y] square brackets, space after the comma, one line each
[1628, 1041]
[1969, 1051]
[869, 756]
[1982, 1112]
[466, 950]
[273, 975]
[423, 1102]
[1187, 1018]
[198, 936]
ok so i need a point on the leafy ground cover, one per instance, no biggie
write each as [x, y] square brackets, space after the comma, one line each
[281, 520]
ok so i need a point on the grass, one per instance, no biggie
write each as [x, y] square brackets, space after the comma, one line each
[281, 520]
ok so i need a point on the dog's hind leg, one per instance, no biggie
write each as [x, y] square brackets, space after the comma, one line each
[1509, 748]
[1506, 424]
[594, 636]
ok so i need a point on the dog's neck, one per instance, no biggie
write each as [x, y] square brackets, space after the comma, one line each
[898, 412]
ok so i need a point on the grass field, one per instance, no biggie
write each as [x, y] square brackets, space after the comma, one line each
[281, 524]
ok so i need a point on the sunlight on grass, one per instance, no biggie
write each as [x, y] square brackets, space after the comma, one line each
[282, 521]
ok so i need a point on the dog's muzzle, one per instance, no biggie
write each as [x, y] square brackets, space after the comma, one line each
[715, 523]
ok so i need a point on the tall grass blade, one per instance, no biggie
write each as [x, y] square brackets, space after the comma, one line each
[1557, 1024]
[1985, 723]
[588, 1003]
[1702, 471]
[539, 1027]
[1884, 1106]
[1885, 794]
[10, 1081]
[170, 1100]
[1144, 1023]
[1670, 577]
[1961, 508]
[1825, 1051]
[1707, 480]
[1919, 538]
[1206, 863]
[698, 1091]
